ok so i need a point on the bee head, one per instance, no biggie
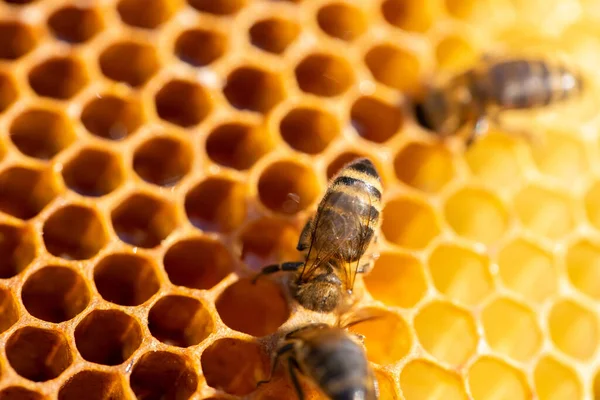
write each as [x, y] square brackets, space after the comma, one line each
[322, 293]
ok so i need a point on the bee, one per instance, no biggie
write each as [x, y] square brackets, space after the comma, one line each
[336, 238]
[332, 358]
[481, 94]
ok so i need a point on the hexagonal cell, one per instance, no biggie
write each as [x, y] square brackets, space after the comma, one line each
[422, 379]
[20, 393]
[309, 130]
[93, 172]
[274, 34]
[38, 354]
[454, 53]
[253, 89]
[324, 75]
[17, 249]
[200, 47]
[545, 212]
[287, 187]
[129, 62]
[9, 91]
[527, 269]
[41, 133]
[163, 375]
[147, 14]
[221, 361]
[573, 329]
[93, 385]
[555, 380]
[75, 24]
[237, 145]
[257, 309]
[447, 332]
[217, 204]
[375, 120]
[460, 273]
[55, 294]
[425, 167]
[58, 77]
[9, 314]
[25, 191]
[180, 321]
[143, 220]
[163, 160]
[394, 67]
[409, 15]
[126, 279]
[107, 337]
[503, 168]
[112, 117]
[560, 156]
[16, 40]
[511, 329]
[223, 7]
[183, 103]
[386, 386]
[491, 378]
[583, 267]
[461, 9]
[487, 225]
[409, 223]
[397, 279]
[342, 21]
[198, 262]
[74, 232]
[592, 201]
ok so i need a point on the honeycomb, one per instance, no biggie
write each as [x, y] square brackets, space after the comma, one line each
[154, 154]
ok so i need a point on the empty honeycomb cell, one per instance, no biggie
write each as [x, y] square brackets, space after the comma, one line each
[342, 21]
[143, 220]
[287, 187]
[592, 201]
[555, 380]
[200, 47]
[160, 374]
[198, 262]
[394, 67]
[573, 329]
[397, 280]
[58, 77]
[460, 9]
[324, 75]
[237, 145]
[74, 232]
[38, 354]
[422, 379]
[257, 309]
[107, 337]
[511, 329]
[385, 383]
[183, 103]
[126, 279]
[454, 53]
[375, 120]
[487, 225]
[223, 7]
[19, 393]
[180, 321]
[130, 62]
[17, 249]
[25, 191]
[253, 89]
[583, 267]
[93, 385]
[274, 34]
[309, 130]
[147, 14]
[409, 223]
[41, 133]
[560, 156]
[491, 378]
[447, 332]
[423, 166]
[16, 39]
[163, 159]
[75, 24]
[9, 313]
[408, 15]
[9, 91]
[460, 273]
[93, 172]
[277, 241]
[112, 117]
[545, 212]
[217, 204]
[493, 159]
[234, 366]
[527, 269]
[55, 294]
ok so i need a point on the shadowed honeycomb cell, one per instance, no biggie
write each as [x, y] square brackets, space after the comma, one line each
[555, 380]
[309, 130]
[489, 378]
[409, 223]
[25, 191]
[454, 53]
[277, 241]
[237, 145]
[93, 172]
[573, 329]
[38, 354]
[409, 15]
[93, 385]
[112, 117]
[501, 170]
[183, 103]
[163, 159]
[253, 89]
[425, 167]
[129, 62]
[59, 77]
[422, 379]
[9, 91]
[19, 393]
[55, 294]
[222, 7]
[342, 21]
[375, 120]
[461, 9]
[324, 75]
[75, 24]
[147, 14]
[394, 67]
[9, 313]
[274, 34]
[107, 337]
[16, 40]
[583, 267]
[17, 249]
[544, 212]
[200, 47]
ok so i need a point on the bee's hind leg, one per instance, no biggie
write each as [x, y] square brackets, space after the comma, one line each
[284, 349]
[292, 368]
[480, 127]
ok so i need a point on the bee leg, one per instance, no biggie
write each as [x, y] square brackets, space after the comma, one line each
[284, 349]
[292, 368]
[480, 127]
[303, 241]
[271, 269]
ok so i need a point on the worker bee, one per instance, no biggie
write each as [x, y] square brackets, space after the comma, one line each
[335, 239]
[474, 98]
[332, 358]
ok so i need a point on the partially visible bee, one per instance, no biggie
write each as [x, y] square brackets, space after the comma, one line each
[474, 98]
[336, 238]
[332, 358]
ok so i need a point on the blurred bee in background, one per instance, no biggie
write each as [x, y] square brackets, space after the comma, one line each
[473, 99]
[335, 239]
